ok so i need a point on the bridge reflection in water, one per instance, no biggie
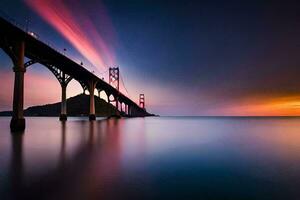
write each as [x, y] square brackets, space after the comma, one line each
[81, 161]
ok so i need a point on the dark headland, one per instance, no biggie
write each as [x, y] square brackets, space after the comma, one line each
[76, 106]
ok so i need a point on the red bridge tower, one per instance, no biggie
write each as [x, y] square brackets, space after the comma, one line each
[142, 101]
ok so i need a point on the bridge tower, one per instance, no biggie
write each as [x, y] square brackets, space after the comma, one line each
[142, 101]
[114, 75]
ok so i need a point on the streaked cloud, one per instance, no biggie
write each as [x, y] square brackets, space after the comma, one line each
[79, 29]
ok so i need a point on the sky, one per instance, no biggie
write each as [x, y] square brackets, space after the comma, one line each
[225, 58]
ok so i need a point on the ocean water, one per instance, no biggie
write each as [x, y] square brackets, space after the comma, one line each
[151, 158]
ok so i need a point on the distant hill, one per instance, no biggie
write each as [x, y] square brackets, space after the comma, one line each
[76, 106]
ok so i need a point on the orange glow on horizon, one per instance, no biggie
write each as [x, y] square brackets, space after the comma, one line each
[42, 88]
[276, 106]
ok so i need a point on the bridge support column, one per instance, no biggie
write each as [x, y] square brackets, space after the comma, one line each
[133, 113]
[63, 112]
[92, 115]
[64, 80]
[17, 122]
[126, 109]
[109, 102]
[117, 103]
[129, 110]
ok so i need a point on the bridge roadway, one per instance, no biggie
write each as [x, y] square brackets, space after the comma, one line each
[19, 44]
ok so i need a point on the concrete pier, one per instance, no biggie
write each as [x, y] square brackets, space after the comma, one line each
[17, 122]
[63, 112]
[117, 103]
[92, 115]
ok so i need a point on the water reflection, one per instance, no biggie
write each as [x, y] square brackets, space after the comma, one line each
[91, 169]
[16, 165]
[63, 144]
[153, 158]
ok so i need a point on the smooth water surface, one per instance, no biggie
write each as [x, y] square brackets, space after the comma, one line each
[151, 158]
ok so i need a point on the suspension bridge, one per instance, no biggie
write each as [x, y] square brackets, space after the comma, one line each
[19, 43]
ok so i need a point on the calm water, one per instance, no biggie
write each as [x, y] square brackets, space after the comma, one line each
[152, 158]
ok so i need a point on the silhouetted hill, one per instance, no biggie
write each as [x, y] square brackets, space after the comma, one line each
[76, 106]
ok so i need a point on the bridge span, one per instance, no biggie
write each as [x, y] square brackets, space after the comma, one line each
[18, 44]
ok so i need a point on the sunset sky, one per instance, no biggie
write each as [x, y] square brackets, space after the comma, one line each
[188, 57]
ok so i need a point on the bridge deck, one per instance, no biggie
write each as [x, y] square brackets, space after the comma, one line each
[44, 54]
